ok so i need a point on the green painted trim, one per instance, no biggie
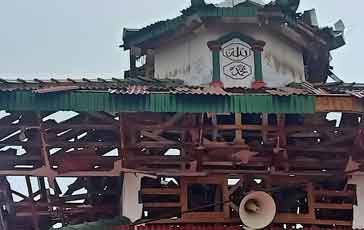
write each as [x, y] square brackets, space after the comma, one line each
[85, 101]
[160, 28]
[258, 65]
[230, 36]
[216, 65]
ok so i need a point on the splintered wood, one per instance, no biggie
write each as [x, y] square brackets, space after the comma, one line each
[198, 167]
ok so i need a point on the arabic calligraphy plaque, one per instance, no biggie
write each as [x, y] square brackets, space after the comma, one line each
[237, 63]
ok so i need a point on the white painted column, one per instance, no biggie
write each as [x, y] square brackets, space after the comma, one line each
[131, 187]
[358, 180]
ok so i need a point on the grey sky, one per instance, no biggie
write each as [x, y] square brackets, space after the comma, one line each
[58, 38]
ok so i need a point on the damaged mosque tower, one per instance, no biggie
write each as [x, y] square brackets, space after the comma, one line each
[221, 122]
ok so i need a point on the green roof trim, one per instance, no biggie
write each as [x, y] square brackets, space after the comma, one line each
[249, 9]
[88, 101]
[233, 35]
[134, 38]
[237, 11]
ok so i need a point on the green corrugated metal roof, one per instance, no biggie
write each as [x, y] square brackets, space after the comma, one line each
[246, 9]
[92, 101]
[131, 38]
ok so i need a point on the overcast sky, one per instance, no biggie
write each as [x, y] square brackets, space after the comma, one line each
[59, 38]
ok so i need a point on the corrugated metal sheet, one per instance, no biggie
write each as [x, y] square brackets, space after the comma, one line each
[142, 86]
[350, 89]
[56, 89]
[208, 90]
[311, 89]
[131, 90]
[356, 93]
[179, 90]
[93, 101]
[84, 84]
[285, 91]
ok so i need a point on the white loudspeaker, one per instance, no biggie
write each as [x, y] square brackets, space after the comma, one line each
[257, 210]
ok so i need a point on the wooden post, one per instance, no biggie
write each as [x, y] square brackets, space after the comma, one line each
[6, 201]
[3, 202]
[122, 149]
[44, 153]
[122, 157]
[35, 217]
[3, 222]
[42, 187]
[311, 201]
[201, 130]
[215, 131]
[265, 126]
[281, 120]
[238, 132]
[226, 197]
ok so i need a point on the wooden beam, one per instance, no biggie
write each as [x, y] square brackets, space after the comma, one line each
[305, 219]
[153, 136]
[162, 205]
[334, 193]
[243, 127]
[79, 144]
[161, 191]
[336, 104]
[19, 194]
[104, 117]
[333, 206]
[170, 123]
[45, 172]
[156, 144]
[313, 149]
[63, 127]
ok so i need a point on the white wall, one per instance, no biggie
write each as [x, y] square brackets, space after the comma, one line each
[358, 180]
[190, 59]
[131, 187]
[282, 61]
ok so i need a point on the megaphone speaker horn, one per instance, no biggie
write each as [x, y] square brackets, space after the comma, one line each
[257, 210]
